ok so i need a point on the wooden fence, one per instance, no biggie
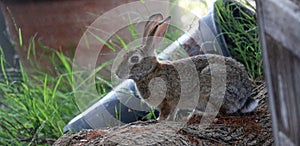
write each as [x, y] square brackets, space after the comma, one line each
[279, 23]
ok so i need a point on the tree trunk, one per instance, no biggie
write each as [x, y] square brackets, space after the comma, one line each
[250, 129]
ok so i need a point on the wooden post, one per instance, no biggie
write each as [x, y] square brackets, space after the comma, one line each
[279, 24]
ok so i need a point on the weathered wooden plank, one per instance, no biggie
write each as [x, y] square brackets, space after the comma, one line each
[280, 36]
[285, 90]
[281, 20]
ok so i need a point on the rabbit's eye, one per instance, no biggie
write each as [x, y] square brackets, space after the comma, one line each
[134, 59]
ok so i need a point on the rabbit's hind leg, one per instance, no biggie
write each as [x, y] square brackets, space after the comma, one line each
[166, 112]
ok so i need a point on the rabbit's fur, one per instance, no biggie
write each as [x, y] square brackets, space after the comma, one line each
[160, 83]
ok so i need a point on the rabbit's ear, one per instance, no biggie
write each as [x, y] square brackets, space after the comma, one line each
[157, 34]
[151, 23]
[161, 30]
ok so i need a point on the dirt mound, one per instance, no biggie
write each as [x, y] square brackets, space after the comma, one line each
[250, 129]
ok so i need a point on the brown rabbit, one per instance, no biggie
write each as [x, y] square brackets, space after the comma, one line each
[168, 85]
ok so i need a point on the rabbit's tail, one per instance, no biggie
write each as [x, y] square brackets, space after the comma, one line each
[249, 105]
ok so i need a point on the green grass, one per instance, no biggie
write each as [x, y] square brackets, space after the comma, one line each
[241, 34]
[36, 106]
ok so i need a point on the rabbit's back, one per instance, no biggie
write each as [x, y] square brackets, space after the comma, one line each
[196, 81]
[225, 81]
